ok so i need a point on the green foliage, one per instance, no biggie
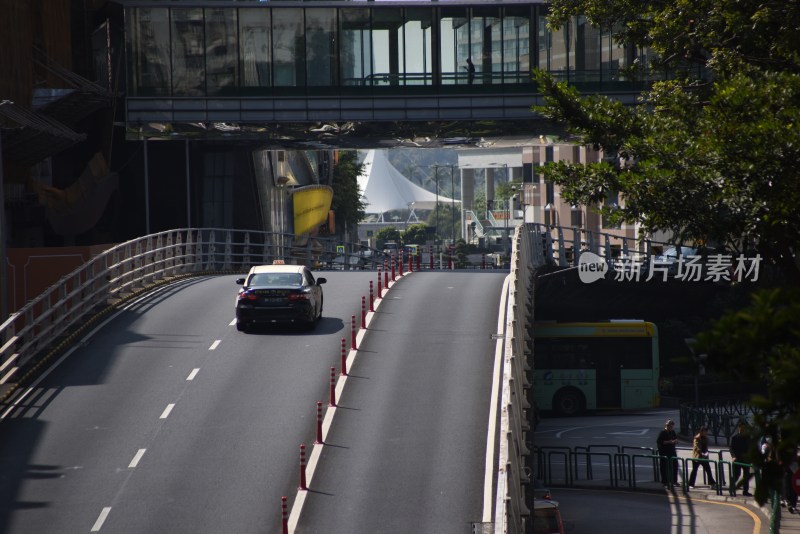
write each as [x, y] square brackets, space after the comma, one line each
[415, 234]
[347, 204]
[762, 343]
[709, 161]
[390, 233]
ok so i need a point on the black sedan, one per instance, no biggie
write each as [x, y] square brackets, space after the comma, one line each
[278, 293]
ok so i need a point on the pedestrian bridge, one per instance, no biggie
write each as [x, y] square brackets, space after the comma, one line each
[341, 70]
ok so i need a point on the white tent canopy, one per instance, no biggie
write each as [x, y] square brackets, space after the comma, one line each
[385, 189]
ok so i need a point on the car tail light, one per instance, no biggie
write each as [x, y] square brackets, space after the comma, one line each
[247, 295]
[293, 297]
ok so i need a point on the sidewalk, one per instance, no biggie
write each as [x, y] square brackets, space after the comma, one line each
[789, 523]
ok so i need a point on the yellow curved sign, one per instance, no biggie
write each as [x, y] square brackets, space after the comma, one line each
[311, 206]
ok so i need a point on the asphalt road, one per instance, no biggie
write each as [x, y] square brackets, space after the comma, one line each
[169, 420]
[406, 451]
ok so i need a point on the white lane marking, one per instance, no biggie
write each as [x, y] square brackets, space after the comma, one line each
[193, 374]
[558, 435]
[215, 344]
[136, 459]
[494, 399]
[166, 411]
[101, 519]
[232, 323]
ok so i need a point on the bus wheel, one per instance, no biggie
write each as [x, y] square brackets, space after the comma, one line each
[568, 402]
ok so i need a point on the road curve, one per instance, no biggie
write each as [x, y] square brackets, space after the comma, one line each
[406, 449]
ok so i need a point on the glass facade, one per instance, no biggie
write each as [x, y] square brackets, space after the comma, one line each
[270, 49]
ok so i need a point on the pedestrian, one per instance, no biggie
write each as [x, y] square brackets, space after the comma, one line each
[740, 449]
[790, 465]
[666, 441]
[700, 451]
[470, 70]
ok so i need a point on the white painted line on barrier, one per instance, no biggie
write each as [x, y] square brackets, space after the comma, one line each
[192, 374]
[136, 459]
[215, 344]
[494, 401]
[167, 411]
[101, 519]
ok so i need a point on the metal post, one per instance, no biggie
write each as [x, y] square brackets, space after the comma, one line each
[146, 191]
[3, 271]
[188, 190]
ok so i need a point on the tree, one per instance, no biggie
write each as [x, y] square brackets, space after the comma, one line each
[706, 161]
[348, 204]
[390, 233]
[416, 234]
[709, 158]
[762, 343]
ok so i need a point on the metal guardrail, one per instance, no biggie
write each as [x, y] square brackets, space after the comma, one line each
[628, 467]
[535, 245]
[511, 513]
[28, 334]
[721, 418]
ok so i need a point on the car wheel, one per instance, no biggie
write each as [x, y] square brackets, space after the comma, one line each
[568, 402]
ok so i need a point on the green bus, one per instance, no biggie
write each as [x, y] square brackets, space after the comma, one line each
[595, 366]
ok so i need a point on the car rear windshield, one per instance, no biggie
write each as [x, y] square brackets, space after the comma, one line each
[276, 279]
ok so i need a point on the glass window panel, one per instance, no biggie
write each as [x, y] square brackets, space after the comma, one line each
[487, 44]
[587, 51]
[386, 31]
[454, 48]
[516, 45]
[320, 39]
[561, 44]
[416, 63]
[148, 41]
[355, 53]
[221, 51]
[288, 49]
[188, 52]
[255, 53]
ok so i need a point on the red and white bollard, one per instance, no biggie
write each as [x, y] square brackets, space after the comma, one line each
[344, 357]
[400, 263]
[483, 261]
[285, 515]
[332, 400]
[318, 441]
[363, 312]
[302, 486]
[353, 333]
[371, 298]
[430, 253]
[410, 263]
[385, 275]
[393, 273]
[380, 285]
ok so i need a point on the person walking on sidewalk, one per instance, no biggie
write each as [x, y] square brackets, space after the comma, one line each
[740, 449]
[666, 441]
[700, 451]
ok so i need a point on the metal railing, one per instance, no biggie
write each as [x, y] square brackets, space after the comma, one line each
[38, 328]
[624, 467]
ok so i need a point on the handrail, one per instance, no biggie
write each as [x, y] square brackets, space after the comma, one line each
[123, 270]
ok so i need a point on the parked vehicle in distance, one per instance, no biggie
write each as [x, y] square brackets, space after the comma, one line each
[547, 518]
[279, 293]
[669, 258]
[391, 247]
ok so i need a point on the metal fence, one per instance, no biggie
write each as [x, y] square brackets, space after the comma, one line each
[42, 325]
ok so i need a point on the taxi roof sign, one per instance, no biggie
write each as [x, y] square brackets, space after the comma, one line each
[278, 262]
